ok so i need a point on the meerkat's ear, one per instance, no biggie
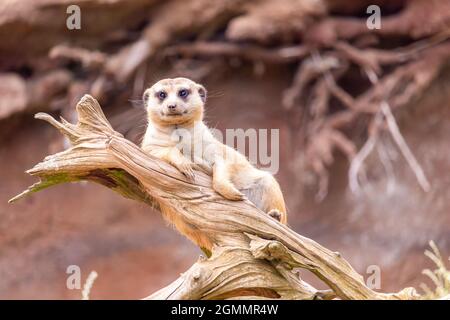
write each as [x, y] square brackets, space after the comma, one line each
[202, 92]
[145, 97]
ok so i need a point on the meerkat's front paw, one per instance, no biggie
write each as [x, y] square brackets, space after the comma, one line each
[228, 191]
[186, 168]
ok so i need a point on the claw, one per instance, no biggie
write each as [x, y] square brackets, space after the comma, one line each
[234, 196]
[187, 170]
[229, 192]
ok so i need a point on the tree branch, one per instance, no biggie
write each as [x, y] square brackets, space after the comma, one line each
[250, 254]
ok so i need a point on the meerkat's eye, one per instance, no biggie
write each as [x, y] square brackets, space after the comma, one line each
[161, 95]
[183, 93]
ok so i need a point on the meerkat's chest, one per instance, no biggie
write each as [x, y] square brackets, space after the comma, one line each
[195, 145]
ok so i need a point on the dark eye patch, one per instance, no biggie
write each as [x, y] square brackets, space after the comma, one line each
[183, 93]
[161, 95]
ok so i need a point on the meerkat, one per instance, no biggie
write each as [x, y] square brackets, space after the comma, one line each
[177, 134]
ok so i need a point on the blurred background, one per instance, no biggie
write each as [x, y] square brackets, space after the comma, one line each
[363, 114]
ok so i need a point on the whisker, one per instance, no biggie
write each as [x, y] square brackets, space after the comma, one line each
[138, 103]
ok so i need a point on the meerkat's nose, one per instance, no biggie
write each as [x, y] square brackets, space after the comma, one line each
[172, 106]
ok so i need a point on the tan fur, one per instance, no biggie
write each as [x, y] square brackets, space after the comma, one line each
[179, 136]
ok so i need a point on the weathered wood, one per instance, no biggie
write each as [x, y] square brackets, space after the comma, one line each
[250, 254]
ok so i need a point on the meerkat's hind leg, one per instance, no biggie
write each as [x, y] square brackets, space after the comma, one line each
[266, 194]
[276, 214]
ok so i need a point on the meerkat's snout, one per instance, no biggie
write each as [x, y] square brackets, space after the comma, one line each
[172, 109]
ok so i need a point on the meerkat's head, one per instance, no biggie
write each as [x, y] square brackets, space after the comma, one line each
[175, 101]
